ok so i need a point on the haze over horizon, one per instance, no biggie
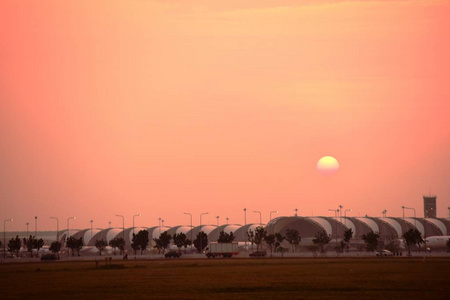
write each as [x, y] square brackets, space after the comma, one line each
[160, 108]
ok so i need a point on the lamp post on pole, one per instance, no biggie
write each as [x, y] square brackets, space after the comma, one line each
[245, 223]
[218, 220]
[190, 216]
[35, 226]
[384, 213]
[109, 223]
[123, 226]
[273, 211]
[57, 228]
[412, 208]
[27, 229]
[162, 223]
[403, 211]
[227, 220]
[340, 212]
[260, 218]
[92, 227]
[4, 236]
[201, 218]
[345, 215]
[138, 215]
[296, 212]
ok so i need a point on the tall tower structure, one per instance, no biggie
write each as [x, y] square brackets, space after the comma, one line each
[429, 206]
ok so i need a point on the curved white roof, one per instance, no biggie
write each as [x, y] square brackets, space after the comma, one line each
[396, 225]
[90, 234]
[439, 224]
[347, 223]
[369, 222]
[323, 223]
[417, 224]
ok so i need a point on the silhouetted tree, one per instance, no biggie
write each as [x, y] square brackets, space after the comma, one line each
[321, 239]
[29, 243]
[201, 241]
[412, 237]
[251, 237]
[119, 243]
[14, 245]
[163, 242]
[260, 234]
[75, 244]
[279, 238]
[270, 241]
[38, 244]
[100, 245]
[55, 247]
[225, 237]
[293, 237]
[348, 234]
[187, 243]
[371, 240]
[179, 239]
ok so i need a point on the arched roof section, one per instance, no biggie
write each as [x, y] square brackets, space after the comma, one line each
[279, 224]
[322, 222]
[346, 222]
[416, 223]
[179, 229]
[214, 235]
[446, 222]
[439, 224]
[89, 235]
[393, 224]
[370, 223]
[105, 234]
[241, 232]
[205, 228]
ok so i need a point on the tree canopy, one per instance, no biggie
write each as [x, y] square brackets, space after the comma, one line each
[321, 239]
[371, 240]
[293, 237]
[201, 241]
[225, 237]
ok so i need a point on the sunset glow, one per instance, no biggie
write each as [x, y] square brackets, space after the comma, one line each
[164, 107]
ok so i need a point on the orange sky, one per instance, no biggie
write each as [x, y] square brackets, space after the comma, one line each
[165, 107]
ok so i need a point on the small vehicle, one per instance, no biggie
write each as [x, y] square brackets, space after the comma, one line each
[172, 254]
[49, 257]
[385, 253]
[258, 254]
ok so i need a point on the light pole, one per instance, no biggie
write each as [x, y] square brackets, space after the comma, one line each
[109, 223]
[57, 227]
[273, 211]
[218, 220]
[68, 228]
[159, 225]
[403, 211]
[384, 213]
[192, 229]
[35, 226]
[138, 215]
[245, 223]
[340, 212]
[29, 224]
[260, 218]
[4, 236]
[92, 227]
[123, 226]
[345, 216]
[404, 207]
[206, 213]
[227, 220]
[162, 222]
[296, 212]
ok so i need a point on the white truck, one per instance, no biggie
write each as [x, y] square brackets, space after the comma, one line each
[222, 249]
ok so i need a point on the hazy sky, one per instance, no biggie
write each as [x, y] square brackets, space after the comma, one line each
[165, 107]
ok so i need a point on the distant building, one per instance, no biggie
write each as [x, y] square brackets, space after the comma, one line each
[429, 206]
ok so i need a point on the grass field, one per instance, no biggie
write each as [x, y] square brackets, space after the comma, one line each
[293, 278]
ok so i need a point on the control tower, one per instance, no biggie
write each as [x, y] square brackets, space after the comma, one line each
[429, 206]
